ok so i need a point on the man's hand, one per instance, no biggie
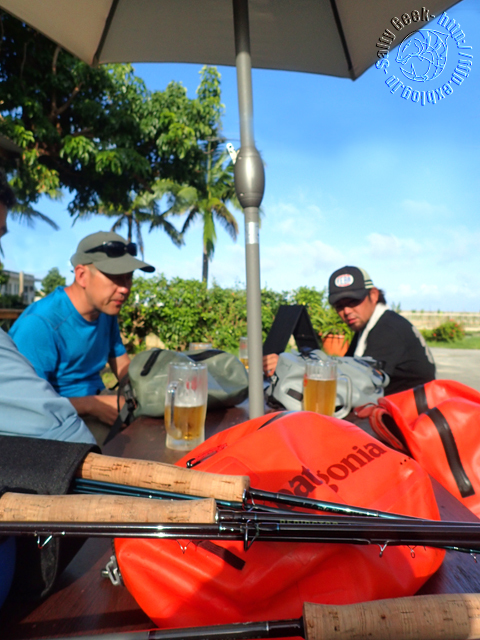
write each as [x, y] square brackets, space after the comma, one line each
[270, 364]
[102, 407]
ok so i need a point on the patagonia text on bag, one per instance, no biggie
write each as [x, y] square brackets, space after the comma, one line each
[191, 583]
[148, 372]
[438, 424]
[360, 381]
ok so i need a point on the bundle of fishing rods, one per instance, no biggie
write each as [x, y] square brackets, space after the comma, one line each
[438, 617]
[123, 498]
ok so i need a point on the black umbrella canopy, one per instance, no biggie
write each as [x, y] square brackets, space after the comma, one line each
[333, 37]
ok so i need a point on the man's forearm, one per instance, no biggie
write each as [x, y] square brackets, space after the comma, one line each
[82, 405]
[103, 407]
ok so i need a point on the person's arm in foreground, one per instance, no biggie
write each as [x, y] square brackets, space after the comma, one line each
[29, 406]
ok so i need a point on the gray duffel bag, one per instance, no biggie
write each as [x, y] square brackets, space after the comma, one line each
[359, 382]
[145, 384]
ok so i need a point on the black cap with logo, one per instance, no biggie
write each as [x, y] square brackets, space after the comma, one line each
[348, 282]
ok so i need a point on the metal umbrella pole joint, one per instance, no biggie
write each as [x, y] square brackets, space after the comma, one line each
[250, 186]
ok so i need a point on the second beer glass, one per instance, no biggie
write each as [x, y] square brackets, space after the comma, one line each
[320, 387]
[186, 405]
[243, 352]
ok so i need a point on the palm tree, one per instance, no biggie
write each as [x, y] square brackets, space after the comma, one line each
[207, 199]
[143, 209]
[29, 215]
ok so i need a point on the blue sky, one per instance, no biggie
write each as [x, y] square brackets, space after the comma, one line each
[354, 175]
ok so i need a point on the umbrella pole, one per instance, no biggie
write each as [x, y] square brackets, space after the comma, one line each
[249, 185]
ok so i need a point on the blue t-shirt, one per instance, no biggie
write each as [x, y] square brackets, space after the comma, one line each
[29, 406]
[63, 347]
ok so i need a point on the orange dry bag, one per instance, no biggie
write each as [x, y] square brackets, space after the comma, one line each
[438, 424]
[189, 584]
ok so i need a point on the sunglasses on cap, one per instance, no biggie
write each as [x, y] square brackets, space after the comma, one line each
[115, 249]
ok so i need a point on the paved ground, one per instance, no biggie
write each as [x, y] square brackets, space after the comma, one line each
[462, 365]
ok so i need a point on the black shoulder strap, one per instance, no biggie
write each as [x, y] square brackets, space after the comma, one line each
[200, 356]
[125, 414]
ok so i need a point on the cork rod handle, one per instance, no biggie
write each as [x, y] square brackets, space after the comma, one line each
[435, 617]
[21, 507]
[163, 477]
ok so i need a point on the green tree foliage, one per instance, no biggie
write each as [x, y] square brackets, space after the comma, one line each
[52, 280]
[8, 300]
[3, 276]
[99, 133]
[205, 193]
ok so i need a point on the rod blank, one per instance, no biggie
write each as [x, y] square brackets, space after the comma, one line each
[436, 617]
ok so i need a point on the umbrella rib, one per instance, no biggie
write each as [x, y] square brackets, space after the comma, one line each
[108, 24]
[338, 22]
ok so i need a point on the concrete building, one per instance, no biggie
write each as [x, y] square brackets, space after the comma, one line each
[19, 284]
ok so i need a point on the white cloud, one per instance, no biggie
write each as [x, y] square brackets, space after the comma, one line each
[463, 245]
[288, 218]
[391, 247]
[423, 208]
[290, 265]
[429, 289]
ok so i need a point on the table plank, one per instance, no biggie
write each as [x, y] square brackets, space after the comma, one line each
[85, 602]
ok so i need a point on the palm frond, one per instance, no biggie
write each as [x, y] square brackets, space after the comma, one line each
[29, 216]
[192, 215]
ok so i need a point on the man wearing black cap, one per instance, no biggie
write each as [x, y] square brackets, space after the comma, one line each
[379, 332]
[72, 333]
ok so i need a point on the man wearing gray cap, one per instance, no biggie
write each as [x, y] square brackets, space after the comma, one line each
[73, 332]
[28, 405]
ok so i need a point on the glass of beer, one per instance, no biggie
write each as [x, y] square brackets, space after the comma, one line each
[186, 405]
[243, 352]
[320, 387]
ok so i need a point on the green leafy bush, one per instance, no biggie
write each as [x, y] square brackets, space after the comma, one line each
[325, 319]
[449, 331]
[183, 311]
[11, 301]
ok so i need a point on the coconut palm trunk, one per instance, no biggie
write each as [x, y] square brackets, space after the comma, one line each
[205, 265]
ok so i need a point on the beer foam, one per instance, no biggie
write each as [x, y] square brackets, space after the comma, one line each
[188, 401]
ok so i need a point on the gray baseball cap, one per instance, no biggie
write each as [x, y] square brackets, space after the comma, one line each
[113, 254]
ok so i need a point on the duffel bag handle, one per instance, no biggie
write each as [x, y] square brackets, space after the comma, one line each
[347, 407]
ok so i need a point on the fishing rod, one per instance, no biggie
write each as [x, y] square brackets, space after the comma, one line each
[163, 480]
[431, 617]
[125, 517]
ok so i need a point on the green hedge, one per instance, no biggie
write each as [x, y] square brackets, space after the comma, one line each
[449, 331]
[181, 311]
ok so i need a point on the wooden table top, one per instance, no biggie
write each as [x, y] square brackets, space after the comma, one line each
[84, 602]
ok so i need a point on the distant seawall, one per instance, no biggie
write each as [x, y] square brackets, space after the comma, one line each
[431, 319]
